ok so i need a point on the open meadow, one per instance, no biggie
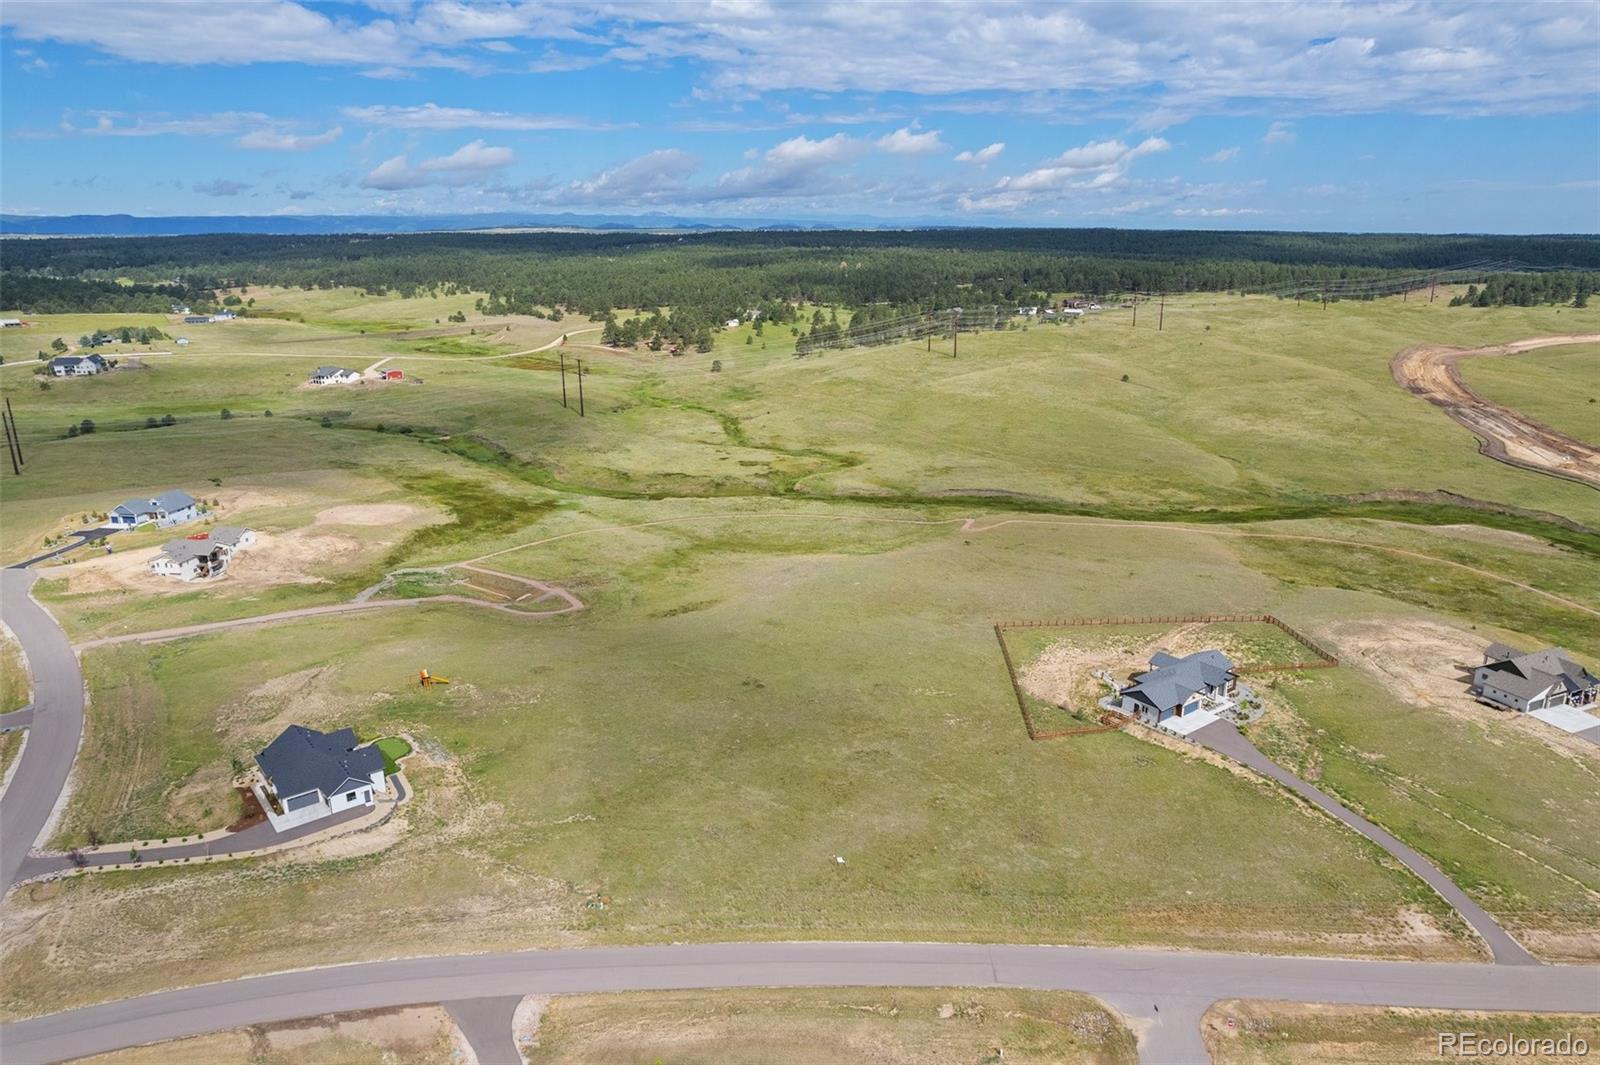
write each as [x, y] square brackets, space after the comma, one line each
[781, 712]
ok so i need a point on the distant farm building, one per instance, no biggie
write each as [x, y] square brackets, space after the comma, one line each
[1529, 681]
[333, 375]
[392, 375]
[732, 323]
[11, 323]
[202, 556]
[197, 319]
[77, 365]
[183, 342]
[172, 507]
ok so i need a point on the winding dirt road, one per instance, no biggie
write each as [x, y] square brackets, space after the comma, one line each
[1432, 371]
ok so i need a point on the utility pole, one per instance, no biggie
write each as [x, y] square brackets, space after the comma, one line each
[15, 436]
[1433, 284]
[1136, 311]
[11, 447]
[955, 335]
[580, 388]
[563, 379]
[1161, 316]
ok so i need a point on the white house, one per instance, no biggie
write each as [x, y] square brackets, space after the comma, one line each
[172, 507]
[1072, 312]
[202, 556]
[77, 365]
[732, 323]
[1530, 681]
[334, 375]
[183, 342]
[308, 775]
[223, 316]
[1176, 687]
[10, 323]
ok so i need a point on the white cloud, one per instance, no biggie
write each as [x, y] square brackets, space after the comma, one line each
[277, 141]
[1279, 133]
[907, 141]
[1428, 56]
[1096, 165]
[431, 116]
[1215, 212]
[1222, 155]
[469, 163]
[654, 177]
[983, 156]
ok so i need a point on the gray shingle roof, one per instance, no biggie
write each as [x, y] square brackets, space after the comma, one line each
[1175, 679]
[301, 759]
[1540, 669]
[228, 535]
[329, 371]
[183, 549]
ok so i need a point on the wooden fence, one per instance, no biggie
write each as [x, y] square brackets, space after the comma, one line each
[1324, 659]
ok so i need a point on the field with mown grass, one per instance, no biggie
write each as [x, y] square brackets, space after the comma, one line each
[791, 568]
[15, 688]
[1557, 386]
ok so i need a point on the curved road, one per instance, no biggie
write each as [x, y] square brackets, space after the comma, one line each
[40, 778]
[1128, 979]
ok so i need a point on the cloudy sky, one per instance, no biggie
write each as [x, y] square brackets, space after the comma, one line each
[1374, 116]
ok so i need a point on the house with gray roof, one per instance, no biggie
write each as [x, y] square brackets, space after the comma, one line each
[334, 375]
[203, 555]
[307, 775]
[172, 507]
[78, 365]
[1176, 687]
[1529, 681]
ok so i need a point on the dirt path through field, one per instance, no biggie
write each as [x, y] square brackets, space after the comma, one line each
[1433, 372]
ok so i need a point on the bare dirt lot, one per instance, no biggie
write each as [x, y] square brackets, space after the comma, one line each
[298, 556]
[1428, 664]
[413, 1034]
[1432, 372]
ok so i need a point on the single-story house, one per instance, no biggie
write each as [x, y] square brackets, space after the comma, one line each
[1072, 312]
[1532, 680]
[732, 323]
[77, 365]
[311, 775]
[10, 323]
[172, 507]
[333, 375]
[203, 555]
[197, 319]
[223, 316]
[1176, 686]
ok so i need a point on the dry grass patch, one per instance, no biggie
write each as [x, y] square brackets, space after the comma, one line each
[415, 1035]
[801, 1026]
[1285, 1033]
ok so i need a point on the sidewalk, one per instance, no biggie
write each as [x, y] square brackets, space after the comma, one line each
[258, 839]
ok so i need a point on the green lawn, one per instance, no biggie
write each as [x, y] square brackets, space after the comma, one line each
[393, 748]
[1557, 386]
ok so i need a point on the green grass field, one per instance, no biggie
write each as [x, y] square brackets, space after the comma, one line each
[787, 655]
[893, 1026]
[15, 690]
[1557, 386]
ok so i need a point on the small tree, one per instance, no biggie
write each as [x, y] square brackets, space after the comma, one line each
[152, 422]
[58, 345]
[167, 419]
[226, 414]
[86, 426]
[716, 365]
[266, 414]
[72, 430]
[327, 422]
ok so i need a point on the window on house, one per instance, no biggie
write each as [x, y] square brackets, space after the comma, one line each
[350, 797]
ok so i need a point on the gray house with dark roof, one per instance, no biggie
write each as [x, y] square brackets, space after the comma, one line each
[1526, 681]
[1174, 687]
[172, 507]
[310, 775]
[78, 365]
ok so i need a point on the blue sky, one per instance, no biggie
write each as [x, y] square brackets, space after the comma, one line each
[1399, 116]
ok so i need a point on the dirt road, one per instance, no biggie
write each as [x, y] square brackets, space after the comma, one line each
[1432, 371]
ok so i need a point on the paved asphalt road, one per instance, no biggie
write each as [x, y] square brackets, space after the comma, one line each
[486, 1022]
[52, 746]
[1126, 978]
[1224, 738]
[82, 538]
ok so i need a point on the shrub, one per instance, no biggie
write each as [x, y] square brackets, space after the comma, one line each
[226, 414]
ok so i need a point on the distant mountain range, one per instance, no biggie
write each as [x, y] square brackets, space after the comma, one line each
[127, 225]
